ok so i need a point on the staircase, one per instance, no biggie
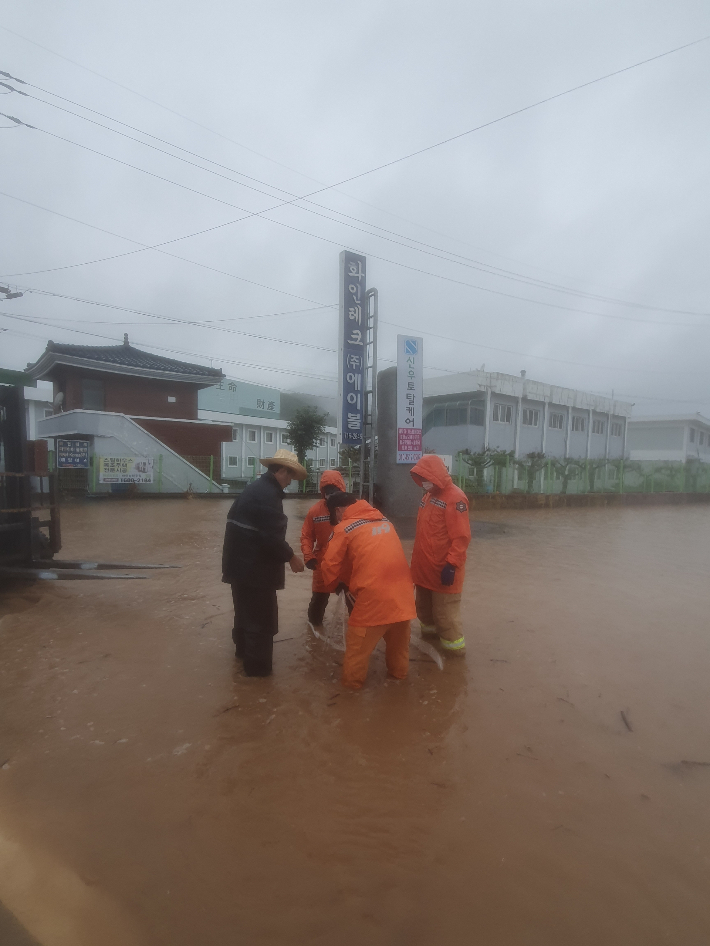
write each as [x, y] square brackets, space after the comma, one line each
[116, 435]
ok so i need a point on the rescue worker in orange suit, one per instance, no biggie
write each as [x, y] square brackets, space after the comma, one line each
[439, 556]
[366, 549]
[314, 538]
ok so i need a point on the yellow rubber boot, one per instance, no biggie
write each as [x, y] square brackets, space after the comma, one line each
[454, 647]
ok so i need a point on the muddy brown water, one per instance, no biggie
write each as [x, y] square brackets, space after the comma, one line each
[151, 794]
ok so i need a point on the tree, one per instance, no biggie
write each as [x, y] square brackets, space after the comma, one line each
[305, 430]
[480, 461]
[566, 468]
[530, 465]
[477, 464]
[350, 458]
[593, 467]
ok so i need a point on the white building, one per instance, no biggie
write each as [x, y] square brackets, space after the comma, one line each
[38, 405]
[479, 410]
[678, 438]
[254, 438]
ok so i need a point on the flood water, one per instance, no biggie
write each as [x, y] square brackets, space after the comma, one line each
[151, 794]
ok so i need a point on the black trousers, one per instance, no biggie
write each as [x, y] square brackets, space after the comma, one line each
[256, 621]
[317, 606]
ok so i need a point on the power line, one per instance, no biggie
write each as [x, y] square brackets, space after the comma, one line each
[457, 258]
[144, 246]
[519, 111]
[507, 351]
[157, 247]
[227, 138]
[300, 173]
[174, 320]
[418, 246]
[459, 341]
[29, 335]
[239, 144]
[671, 400]
[109, 305]
[438, 144]
[158, 104]
[175, 351]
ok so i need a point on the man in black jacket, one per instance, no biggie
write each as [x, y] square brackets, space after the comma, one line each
[254, 560]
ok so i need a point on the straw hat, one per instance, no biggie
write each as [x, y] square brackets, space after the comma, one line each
[289, 460]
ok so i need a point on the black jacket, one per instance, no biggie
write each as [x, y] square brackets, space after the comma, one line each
[255, 547]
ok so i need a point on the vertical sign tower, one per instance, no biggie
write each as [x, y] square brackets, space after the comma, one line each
[409, 398]
[357, 365]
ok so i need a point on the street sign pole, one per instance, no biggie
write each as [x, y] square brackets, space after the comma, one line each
[357, 366]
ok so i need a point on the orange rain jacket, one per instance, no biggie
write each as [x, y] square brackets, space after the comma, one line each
[365, 550]
[443, 528]
[317, 529]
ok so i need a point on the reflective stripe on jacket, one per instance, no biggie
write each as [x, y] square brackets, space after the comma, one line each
[366, 552]
[255, 547]
[317, 529]
[443, 528]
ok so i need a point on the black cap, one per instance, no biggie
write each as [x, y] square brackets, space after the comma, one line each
[336, 501]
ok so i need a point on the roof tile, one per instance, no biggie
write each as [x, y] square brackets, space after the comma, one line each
[129, 357]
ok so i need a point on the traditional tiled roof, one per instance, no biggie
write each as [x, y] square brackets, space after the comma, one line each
[122, 359]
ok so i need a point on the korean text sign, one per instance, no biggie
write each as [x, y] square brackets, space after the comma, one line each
[126, 470]
[353, 344]
[73, 454]
[409, 398]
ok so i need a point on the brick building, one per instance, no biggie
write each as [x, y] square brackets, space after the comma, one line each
[160, 394]
[121, 379]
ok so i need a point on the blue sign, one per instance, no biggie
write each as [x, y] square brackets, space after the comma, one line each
[73, 454]
[353, 345]
[411, 346]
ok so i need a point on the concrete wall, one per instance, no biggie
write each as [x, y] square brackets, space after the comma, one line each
[555, 438]
[115, 435]
[399, 493]
[188, 439]
[531, 437]
[35, 411]
[656, 438]
[439, 439]
[501, 436]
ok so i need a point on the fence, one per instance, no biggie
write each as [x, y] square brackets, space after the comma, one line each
[482, 473]
[87, 480]
[209, 465]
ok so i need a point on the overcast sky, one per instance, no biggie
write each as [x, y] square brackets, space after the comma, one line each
[604, 191]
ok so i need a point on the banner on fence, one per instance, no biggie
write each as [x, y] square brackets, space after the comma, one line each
[126, 470]
[72, 454]
[353, 343]
[409, 398]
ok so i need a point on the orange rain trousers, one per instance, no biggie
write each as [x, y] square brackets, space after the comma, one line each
[361, 641]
